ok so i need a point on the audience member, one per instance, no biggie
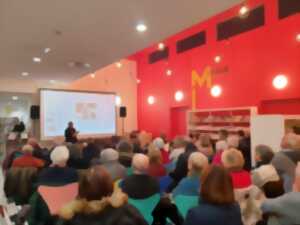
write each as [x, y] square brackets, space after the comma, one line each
[223, 135]
[190, 185]
[156, 168]
[160, 144]
[110, 161]
[140, 185]
[286, 160]
[179, 145]
[217, 204]
[284, 210]
[58, 173]
[125, 153]
[98, 204]
[90, 151]
[221, 146]
[245, 147]
[27, 159]
[204, 145]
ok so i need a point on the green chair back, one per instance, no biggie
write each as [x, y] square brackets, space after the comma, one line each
[129, 171]
[185, 202]
[146, 206]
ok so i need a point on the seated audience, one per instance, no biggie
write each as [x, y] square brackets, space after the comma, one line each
[39, 152]
[245, 147]
[178, 148]
[217, 204]
[190, 185]
[221, 146]
[27, 159]
[160, 144]
[284, 210]
[156, 168]
[97, 203]
[90, 151]
[233, 141]
[204, 145]
[125, 153]
[58, 173]
[223, 135]
[140, 185]
[110, 161]
[286, 160]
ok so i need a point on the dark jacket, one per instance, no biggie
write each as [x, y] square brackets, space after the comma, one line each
[209, 214]
[140, 186]
[245, 148]
[70, 135]
[57, 176]
[114, 211]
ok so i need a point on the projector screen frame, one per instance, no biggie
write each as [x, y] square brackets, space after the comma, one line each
[80, 136]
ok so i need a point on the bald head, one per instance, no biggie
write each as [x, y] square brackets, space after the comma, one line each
[140, 163]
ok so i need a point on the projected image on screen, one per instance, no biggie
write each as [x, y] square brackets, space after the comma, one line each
[92, 113]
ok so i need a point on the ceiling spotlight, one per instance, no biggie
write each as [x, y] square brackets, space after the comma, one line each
[15, 98]
[25, 74]
[141, 27]
[244, 11]
[93, 75]
[298, 37]
[118, 64]
[47, 50]
[52, 81]
[169, 72]
[161, 46]
[179, 96]
[218, 59]
[280, 82]
[216, 91]
[36, 59]
[151, 100]
[118, 101]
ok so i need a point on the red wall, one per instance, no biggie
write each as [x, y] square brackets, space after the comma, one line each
[253, 59]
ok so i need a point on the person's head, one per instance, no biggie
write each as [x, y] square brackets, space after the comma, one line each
[197, 162]
[140, 164]
[109, 155]
[124, 146]
[233, 160]
[205, 141]
[241, 133]
[223, 134]
[263, 154]
[233, 141]
[164, 137]
[27, 149]
[154, 155]
[159, 143]
[190, 147]
[33, 142]
[59, 156]
[217, 187]
[95, 184]
[70, 124]
[290, 141]
[221, 145]
[179, 142]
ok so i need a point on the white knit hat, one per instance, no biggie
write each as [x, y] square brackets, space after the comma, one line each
[109, 154]
[60, 155]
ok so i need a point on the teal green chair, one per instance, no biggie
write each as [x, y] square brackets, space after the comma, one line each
[146, 206]
[185, 202]
[129, 171]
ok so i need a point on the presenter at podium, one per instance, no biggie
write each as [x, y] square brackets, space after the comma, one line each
[71, 133]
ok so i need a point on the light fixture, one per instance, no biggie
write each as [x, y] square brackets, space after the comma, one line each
[47, 50]
[138, 81]
[141, 27]
[298, 37]
[25, 74]
[52, 81]
[119, 65]
[161, 46]
[118, 100]
[151, 100]
[36, 59]
[280, 82]
[218, 59]
[93, 75]
[244, 11]
[15, 98]
[169, 72]
[216, 91]
[179, 96]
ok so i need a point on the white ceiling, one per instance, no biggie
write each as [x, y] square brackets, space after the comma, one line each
[99, 32]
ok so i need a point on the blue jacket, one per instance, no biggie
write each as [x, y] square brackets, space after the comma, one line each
[188, 186]
[208, 214]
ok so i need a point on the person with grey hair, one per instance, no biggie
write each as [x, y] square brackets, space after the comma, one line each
[109, 159]
[140, 185]
[285, 161]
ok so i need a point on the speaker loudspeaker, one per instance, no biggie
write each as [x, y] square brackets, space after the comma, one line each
[35, 112]
[123, 111]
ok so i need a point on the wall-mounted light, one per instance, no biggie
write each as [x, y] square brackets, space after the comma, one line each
[179, 96]
[218, 59]
[161, 46]
[151, 100]
[118, 101]
[216, 91]
[169, 72]
[244, 11]
[280, 81]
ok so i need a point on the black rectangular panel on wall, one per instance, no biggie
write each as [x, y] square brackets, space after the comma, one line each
[288, 7]
[238, 25]
[158, 55]
[191, 42]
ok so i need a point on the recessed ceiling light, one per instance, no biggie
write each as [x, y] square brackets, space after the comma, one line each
[244, 11]
[169, 72]
[118, 64]
[15, 98]
[25, 74]
[298, 37]
[93, 75]
[218, 59]
[52, 81]
[47, 50]
[141, 27]
[36, 59]
[161, 46]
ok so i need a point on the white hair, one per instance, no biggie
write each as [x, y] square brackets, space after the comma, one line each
[27, 148]
[197, 161]
[140, 163]
[60, 155]
[221, 145]
[233, 141]
[159, 143]
[108, 155]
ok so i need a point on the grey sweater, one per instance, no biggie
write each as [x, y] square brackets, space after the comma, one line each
[284, 209]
